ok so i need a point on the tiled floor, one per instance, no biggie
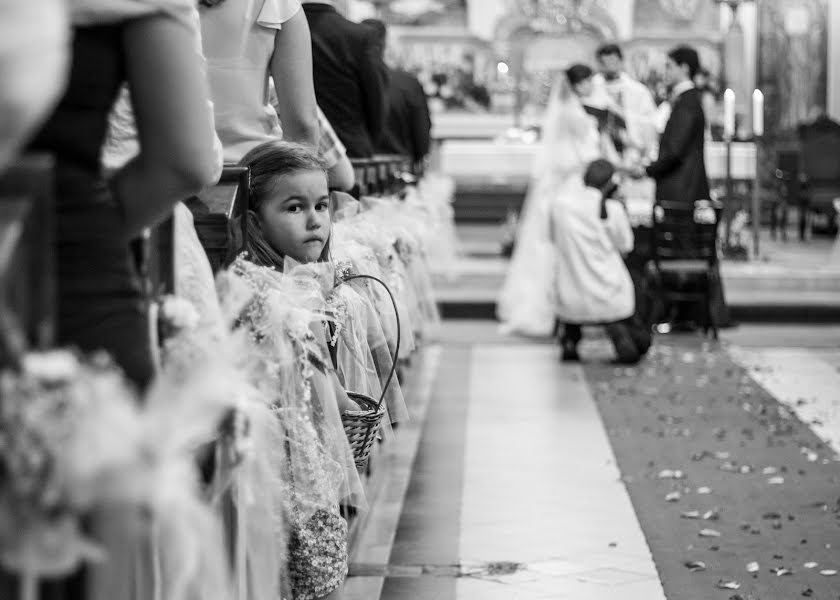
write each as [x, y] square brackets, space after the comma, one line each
[804, 379]
[788, 273]
[541, 487]
[515, 492]
[541, 511]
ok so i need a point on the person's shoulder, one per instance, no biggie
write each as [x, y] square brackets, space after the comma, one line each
[693, 98]
[689, 100]
[358, 31]
[404, 79]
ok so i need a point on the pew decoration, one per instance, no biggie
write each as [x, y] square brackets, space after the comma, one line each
[74, 441]
[261, 375]
[48, 474]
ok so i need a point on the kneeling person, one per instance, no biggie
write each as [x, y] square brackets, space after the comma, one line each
[591, 231]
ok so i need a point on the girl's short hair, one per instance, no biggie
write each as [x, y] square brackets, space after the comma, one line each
[271, 160]
[578, 73]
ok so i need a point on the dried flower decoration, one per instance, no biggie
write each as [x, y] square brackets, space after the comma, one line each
[45, 479]
[176, 315]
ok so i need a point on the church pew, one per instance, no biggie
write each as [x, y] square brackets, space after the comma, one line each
[216, 207]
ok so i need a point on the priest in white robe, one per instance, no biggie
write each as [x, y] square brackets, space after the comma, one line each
[631, 97]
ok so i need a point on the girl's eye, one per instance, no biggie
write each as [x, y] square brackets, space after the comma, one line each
[322, 206]
[293, 208]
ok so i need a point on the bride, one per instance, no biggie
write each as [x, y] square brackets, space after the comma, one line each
[570, 141]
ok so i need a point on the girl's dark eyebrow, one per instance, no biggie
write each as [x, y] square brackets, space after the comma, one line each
[298, 198]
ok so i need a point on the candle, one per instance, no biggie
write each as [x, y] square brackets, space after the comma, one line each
[758, 113]
[729, 114]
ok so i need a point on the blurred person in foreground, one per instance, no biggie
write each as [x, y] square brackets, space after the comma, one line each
[150, 46]
[350, 77]
[34, 52]
[409, 125]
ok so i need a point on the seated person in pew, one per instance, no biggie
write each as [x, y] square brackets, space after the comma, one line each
[590, 232]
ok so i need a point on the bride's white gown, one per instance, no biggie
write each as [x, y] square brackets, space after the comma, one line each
[526, 304]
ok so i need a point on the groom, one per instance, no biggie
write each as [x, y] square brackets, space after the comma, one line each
[680, 170]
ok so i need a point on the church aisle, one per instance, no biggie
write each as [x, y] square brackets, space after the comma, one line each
[515, 492]
[727, 457]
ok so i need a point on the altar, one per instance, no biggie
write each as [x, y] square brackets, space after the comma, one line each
[506, 162]
[491, 168]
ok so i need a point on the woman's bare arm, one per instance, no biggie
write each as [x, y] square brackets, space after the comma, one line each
[291, 68]
[174, 120]
[341, 174]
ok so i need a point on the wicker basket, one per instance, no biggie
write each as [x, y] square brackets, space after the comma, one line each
[361, 426]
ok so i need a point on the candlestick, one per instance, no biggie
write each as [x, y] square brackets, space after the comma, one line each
[758, 113]
[729, 114]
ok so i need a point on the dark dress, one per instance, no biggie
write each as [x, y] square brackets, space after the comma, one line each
[350, 78]
[100, 300]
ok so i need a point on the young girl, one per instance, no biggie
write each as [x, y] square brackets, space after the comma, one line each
[287, 233]
[289, 219]
[289, 205]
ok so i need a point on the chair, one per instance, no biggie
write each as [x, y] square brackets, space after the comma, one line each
[27, 261]
[820, 142]
[789, 191]
[367, 177]
[214, 209]
[685, 259]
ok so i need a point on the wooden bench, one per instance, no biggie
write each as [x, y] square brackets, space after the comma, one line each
[215, 208]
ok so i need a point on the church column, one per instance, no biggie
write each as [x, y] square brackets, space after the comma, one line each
[741, 54]
[833, 103]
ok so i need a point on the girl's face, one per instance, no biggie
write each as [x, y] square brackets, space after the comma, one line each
[295, 217]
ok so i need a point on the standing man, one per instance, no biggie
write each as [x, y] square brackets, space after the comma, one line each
[350, 77]
[680, 170]
[633, 98]
[408, 128]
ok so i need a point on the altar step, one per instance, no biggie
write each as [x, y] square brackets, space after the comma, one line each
[793, 282]
[486, 201]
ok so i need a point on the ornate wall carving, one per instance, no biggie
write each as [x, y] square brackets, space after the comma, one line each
[792, 61]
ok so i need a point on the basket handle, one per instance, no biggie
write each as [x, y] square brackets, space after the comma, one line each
[397, 315]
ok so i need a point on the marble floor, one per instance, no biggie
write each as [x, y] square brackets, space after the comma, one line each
[508, 488]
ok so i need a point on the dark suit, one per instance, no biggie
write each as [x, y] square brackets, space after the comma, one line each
[680, 173]
[680, 170]
[408, 130]
[350, 78]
